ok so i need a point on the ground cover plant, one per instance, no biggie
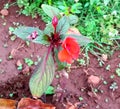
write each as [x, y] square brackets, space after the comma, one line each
[81, 84]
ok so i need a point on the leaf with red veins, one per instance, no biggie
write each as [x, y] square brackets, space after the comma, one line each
[72, 47]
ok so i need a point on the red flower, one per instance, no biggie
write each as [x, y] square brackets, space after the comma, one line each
[70, 50]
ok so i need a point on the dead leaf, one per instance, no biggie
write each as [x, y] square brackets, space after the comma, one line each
[73, 30]
[18, 63]
[26, 70]
[70, 106]
[13, 52]
[7, 104]
[28, 103]
[93, 95]
[93, 80]
[65, 74]
[77, 105]
[4, 12]
[104, 57]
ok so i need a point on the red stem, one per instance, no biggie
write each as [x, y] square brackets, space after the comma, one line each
[48, 52]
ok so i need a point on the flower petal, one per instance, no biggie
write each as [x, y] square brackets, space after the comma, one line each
[72, 47]
[63, 56]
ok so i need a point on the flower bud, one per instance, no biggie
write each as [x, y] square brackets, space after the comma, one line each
[54, 21]
[33, 35]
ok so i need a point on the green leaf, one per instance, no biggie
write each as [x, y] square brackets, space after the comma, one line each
[28, 61]
[50, 10]
[42, 77]
[106, 2]
[117, 71]
[11, 29]
[49, 30]
[63, 25]
[23, 33]
[73, 19]
[60, 65]
[76, 8]
[115, 38]
[22, 3]
[13, 38]
[82, 40]
[50, 90]
[92, 2]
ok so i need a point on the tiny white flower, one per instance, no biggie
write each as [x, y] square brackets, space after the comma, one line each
[113, 33]
[104, 16]
[76, 1]
[114, 13]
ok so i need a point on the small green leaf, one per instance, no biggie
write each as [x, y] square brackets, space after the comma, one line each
[20, 67]
[76, 8]
[108, 67]
[81, 98]
[22, 3]
[50, 10]
[106, 2]
[11, 29]
[42, 77]
[60, 65]
[63, 25]
[10, 57]
[12, 38]
[23, 33]
[92, 2]
[48, 30]
[117, 71]
[73, 19]
[27, 43]
[50, 90]
[29, 62]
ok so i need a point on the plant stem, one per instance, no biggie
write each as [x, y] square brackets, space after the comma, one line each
[48, 52]
[44, 61]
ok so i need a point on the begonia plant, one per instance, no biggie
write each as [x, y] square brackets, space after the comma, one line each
[63, 43]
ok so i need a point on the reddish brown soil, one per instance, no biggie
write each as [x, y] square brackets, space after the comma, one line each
[14, 84]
